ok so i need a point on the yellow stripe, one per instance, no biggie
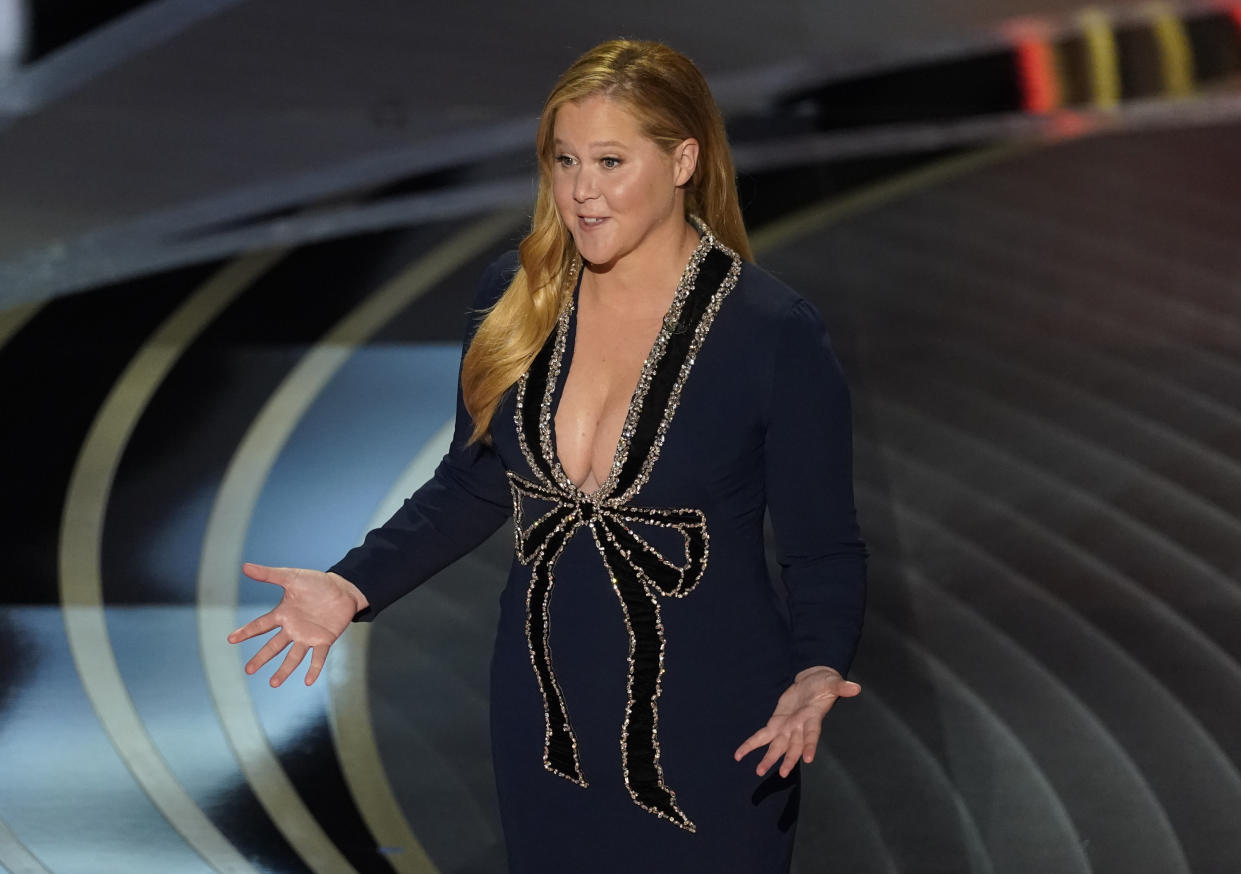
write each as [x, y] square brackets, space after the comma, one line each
[1103, 57]
[81, 538]
[1176, 54]
[838, 207]
[15, 318]
[1058, 75]
[15, 856]
[219, 569]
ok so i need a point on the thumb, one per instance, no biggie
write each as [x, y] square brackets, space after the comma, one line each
[262, 573]
[848, 689]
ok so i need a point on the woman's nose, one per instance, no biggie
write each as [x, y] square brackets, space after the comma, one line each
[584, 187]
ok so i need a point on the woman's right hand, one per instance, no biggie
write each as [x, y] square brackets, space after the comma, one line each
[314, 611]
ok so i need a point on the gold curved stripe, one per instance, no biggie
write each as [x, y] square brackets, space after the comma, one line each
[219, 568]
[349, 701]
[15, 318]
[838, 207]
[421, 469]
[1103, 57]
[81, 538]
[1176, 53]
[15, 856]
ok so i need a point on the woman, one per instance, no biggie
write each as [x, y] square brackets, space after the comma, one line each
[636, 396]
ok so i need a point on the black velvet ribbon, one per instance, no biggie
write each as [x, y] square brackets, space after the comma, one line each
[639, 572]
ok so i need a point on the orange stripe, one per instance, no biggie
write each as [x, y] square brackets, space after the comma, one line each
[1036, 71]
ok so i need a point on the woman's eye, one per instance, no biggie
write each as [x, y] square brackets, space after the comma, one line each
[564, 160]
[611, 163]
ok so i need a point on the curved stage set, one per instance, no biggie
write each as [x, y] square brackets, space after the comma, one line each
[1026, 245]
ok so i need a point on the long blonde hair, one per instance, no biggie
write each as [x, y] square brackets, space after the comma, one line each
[669, 98]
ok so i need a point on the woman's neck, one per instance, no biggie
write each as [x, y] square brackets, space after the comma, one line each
[644, 282]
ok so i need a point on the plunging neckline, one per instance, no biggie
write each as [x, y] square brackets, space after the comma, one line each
[712, 272]
[639, 570]
[636, 397]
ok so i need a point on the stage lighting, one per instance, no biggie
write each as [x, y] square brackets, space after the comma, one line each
[14, 30]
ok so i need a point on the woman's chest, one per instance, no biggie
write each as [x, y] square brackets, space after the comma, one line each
[704, 431]
[693, 423]
[610, 354]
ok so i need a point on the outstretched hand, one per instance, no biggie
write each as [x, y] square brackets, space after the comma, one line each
[793, 730]
[314, 611]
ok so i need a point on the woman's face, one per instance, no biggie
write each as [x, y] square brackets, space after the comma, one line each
[616, 190]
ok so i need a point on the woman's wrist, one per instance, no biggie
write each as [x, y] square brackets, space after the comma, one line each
[360, 601]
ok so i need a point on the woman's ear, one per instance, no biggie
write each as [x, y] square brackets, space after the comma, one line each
[685, 160]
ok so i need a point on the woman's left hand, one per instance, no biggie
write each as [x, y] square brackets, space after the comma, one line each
[794, 728]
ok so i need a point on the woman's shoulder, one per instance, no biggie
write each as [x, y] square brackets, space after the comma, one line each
[507, 265]
[763, 298]
[495, 278]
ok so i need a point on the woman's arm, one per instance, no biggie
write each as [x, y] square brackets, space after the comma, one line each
[809, 481]
[808, 460]
[462, 504]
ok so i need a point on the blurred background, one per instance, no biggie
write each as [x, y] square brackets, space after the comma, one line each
[237, 244]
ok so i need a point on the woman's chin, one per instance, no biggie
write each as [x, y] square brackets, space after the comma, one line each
[593, 253]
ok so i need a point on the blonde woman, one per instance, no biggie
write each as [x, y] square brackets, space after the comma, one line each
[635, 393]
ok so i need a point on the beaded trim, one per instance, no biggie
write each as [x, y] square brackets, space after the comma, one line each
[638, 572]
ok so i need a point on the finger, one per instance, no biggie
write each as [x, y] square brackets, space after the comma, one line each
[255, 627]
[317, 657]
[790, 760]
[774, 750]
[848, 689]
[269, 651]
[847, 693]
[753, 742]
[294, 658]
[792, 753]
[810, 742]
[278, 576]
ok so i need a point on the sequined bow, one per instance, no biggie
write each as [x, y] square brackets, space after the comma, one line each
[639, 573]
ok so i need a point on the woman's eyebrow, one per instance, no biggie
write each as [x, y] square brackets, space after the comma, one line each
[597, 144]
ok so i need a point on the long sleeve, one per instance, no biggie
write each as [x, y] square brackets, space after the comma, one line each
[809, 482]
[462, 504]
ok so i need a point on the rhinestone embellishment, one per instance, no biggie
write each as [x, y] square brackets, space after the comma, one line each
[638, 572]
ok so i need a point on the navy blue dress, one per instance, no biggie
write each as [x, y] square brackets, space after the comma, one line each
[640, 640]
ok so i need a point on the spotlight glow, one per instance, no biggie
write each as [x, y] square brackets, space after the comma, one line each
[1036, 67]
[13, 32]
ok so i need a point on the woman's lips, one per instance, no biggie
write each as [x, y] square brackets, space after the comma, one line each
[590, 223]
